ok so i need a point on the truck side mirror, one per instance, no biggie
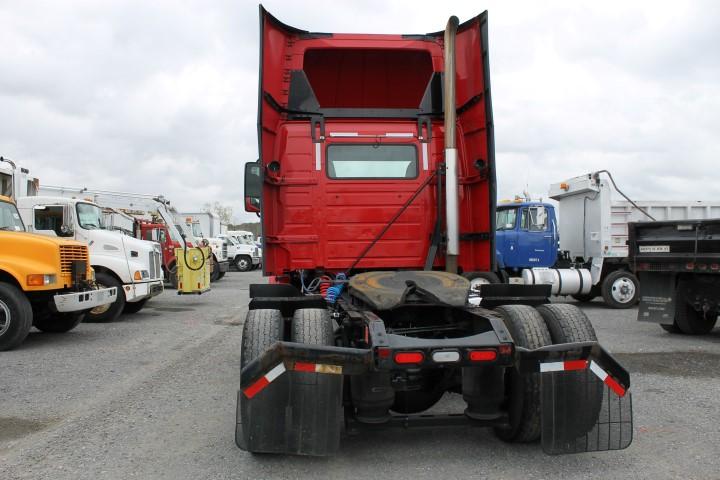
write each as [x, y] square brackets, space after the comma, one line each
[253, 187]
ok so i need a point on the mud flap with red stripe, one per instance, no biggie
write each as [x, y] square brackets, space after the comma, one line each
[584, 408]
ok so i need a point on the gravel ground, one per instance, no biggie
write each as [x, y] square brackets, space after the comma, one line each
[153, 396]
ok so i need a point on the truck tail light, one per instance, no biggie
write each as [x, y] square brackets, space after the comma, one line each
[403, 358]
[714, 266]
[690, 266]
[482, 355]
[702, 266]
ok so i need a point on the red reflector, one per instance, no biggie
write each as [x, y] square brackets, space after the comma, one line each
[575, 365]
[690, 266]
[505, 349]
[383, 352]
[304, 367]
[483, 355]
[409, 357]
[255, 388]
[644, 266]
[615, 386]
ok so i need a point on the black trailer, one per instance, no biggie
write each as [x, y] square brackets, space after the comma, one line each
[678, 264]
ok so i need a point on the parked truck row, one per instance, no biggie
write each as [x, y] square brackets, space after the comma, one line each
[69, 255]
[581, 248]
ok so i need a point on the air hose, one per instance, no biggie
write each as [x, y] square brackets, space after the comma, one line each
[333, 293]
[202, 255]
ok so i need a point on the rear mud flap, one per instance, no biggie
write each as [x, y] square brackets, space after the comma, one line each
[584, 412]
[300, 414]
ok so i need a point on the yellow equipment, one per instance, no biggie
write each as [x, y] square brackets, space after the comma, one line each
[193, 270]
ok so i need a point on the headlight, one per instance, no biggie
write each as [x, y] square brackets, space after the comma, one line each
[140, 274]
[40, 280]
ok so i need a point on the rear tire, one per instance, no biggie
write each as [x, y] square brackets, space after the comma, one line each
[316, 397]
[106, 313]
[528, 329]
[135, 307]
[244, 263]
[671, 328]
[262, 329]
[691, 322]
[15, 316]
[58, 322]
[582, 399]
[620, 289]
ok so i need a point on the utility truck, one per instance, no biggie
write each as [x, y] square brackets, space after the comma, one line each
[143, 216]
[581, 250]
[242, 255]
[45, 282]
[132, 266]
[678, 263]
[376, 191]
[206, 225]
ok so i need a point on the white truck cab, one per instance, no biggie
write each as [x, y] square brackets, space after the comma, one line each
[244, 256]
[131, 265]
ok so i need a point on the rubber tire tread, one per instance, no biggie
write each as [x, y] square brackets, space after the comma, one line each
[116, 309]
[528, 330]
[21, 316]
[59, 322]
[249, 263]
[607, 290]
[568, 324]
[691, 322]
[134, 307]
[262, 329]
[316, 397]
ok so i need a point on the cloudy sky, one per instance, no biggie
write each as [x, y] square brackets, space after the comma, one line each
[160, 96]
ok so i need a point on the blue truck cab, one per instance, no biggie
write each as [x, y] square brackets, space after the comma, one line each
[526, 236]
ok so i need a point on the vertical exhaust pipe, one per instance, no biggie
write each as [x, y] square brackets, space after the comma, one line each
[451, 181]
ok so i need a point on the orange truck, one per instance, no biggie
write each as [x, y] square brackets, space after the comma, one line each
[45, 282]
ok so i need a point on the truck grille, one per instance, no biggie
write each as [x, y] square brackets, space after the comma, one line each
[154, 264]
[70, 254]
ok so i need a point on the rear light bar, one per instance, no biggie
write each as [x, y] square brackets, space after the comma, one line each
[404, 358]
[482, 355]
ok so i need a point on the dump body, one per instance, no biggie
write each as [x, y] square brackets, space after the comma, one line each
[328, 99]
[678, 263]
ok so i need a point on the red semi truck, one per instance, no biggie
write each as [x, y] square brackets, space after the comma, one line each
[378, 206]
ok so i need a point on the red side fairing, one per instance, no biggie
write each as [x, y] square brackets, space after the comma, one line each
[310, 220]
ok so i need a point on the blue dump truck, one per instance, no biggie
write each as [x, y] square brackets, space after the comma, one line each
[581, 248]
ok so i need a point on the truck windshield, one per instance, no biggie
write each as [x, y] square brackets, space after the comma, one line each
[371, 161]
[10, 218]
[90, 216]
[5, 184]
[505, 219]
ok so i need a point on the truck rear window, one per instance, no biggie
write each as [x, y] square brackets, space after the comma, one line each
[371, 161]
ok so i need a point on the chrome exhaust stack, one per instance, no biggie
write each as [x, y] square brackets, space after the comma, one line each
[451, 181]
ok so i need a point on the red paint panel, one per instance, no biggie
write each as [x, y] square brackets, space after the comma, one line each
[311, 221]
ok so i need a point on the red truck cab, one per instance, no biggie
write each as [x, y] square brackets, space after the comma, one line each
[376, 191]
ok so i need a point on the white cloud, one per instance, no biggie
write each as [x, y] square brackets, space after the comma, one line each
[160, 97]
